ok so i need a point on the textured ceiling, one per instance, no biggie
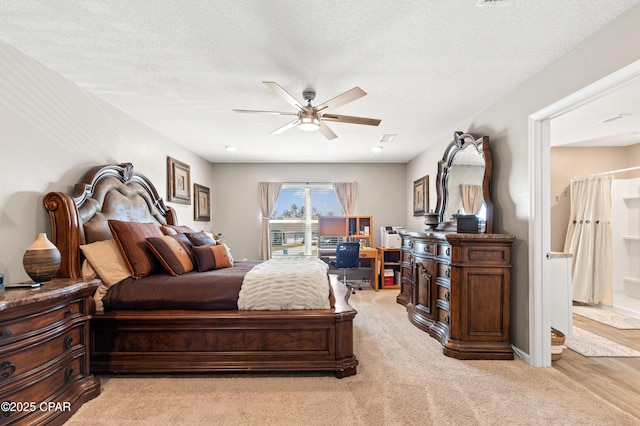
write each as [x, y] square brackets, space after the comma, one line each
[182, 66]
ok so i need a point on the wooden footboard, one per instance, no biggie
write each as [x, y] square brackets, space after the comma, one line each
[208, 341]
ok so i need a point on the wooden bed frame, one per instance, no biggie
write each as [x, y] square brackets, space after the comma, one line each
[189, 341]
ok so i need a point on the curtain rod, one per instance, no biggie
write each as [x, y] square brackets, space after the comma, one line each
[628, 169]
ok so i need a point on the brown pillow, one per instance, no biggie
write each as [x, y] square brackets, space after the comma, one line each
[175, 229]
[172, 253]
[131, 238]
[212, 257]
[200, 239]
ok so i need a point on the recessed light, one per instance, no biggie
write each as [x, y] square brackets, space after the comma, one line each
[231, 148]
[376, 148]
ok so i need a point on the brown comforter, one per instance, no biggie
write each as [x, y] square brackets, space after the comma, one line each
[211, 290]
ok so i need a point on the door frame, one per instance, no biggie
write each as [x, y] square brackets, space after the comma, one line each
[540, 288]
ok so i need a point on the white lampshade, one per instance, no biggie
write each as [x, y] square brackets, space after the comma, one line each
[309, 124]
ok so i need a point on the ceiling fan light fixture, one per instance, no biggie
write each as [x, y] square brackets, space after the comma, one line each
[309, 124]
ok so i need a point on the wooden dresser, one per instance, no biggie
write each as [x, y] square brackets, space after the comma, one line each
[456, 288]
[44, 355]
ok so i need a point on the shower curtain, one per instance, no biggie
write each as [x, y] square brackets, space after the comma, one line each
[589, 239]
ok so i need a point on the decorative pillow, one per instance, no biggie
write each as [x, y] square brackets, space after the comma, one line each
[106, 260]
[175, 229]
[131, 238]
[174, 255]
[200, 239]
[212, 257]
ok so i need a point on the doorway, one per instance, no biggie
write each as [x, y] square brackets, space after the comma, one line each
[539, 229]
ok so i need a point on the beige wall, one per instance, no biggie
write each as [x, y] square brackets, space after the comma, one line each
[236, 212]
[51, 133]
[506, 123]
[570, 162]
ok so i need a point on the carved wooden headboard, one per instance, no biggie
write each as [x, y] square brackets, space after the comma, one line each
[113, 191]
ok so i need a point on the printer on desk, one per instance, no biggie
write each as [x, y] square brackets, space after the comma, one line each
[389, 237]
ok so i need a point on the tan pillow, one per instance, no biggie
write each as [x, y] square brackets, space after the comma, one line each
[173, 253]
[131, 238]
[212, 257]
[106, 260]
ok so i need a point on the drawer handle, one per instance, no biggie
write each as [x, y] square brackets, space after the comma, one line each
[68, 341]
[6, 369]
[447, 252]
[68, 374]
[448, 273]
[447, 296]
[6, 332]
[68, 312]
[446, 319]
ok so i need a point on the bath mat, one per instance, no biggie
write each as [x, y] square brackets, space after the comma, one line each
[605, 316]
[592, 345]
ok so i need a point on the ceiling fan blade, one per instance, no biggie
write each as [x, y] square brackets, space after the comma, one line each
[252, 111]
[351, 119]
[284, 94]
[344, 98]
[326, 131]
[286, 127]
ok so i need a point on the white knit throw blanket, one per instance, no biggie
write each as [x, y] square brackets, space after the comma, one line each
[285, 283]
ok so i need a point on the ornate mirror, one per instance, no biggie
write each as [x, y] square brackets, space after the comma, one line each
[464, 181]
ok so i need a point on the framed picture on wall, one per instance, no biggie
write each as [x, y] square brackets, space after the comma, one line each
[178, 181]
[421, 196]
[201, 203]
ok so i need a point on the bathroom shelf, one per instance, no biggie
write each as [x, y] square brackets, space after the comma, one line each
[631, 280]
[631, 237]
[634, 198]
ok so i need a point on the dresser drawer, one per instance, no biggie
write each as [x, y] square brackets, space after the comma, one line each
[422, 248]
[444, 251]
[22, 357]
[53, 381]
[444, 270]
[406, 256]
[39, 321]
[406, 273]
[443, 316]
[443, 293]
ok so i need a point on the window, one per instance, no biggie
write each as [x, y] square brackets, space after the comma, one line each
[293, 227]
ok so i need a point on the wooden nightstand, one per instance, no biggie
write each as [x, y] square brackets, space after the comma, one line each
[44, 352]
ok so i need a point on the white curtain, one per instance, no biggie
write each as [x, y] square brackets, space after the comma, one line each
[268, 193]
[472, 199]
[346, 194]
[589, 239]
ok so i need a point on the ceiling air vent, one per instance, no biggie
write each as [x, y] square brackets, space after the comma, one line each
[387, 137]
[494, 2]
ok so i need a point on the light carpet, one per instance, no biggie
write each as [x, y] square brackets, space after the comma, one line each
[605, 316]
[592, 345]
[403, 379]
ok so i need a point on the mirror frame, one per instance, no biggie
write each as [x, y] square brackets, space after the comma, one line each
[459, 143]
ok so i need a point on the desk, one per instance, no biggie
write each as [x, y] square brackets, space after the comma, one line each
[370, 256]
[368, 259]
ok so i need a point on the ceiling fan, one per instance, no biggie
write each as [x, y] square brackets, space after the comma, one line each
[311, 117]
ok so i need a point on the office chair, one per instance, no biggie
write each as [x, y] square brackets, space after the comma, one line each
[347, 257]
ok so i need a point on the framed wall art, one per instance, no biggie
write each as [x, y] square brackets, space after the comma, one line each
[178, 181]
[421, 196]
[201, 203]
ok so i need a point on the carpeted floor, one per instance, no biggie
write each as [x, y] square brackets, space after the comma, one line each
[403, 379]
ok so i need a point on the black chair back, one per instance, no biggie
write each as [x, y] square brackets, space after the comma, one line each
[347, 255]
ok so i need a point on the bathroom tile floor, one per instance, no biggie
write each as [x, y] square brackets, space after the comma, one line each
[616, 380]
